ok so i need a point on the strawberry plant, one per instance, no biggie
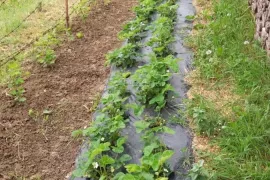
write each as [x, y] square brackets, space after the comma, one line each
[105, 157]
[124, 56]
[113, 104]
[162, 30]
[105, 127]
[168, 9]
[133, 29]
[146, 8]
[155, 153]
[105, 154]
[118, 84]
[102, 160]
[151, 81]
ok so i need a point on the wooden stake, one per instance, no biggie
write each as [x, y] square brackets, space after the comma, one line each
[67, 15]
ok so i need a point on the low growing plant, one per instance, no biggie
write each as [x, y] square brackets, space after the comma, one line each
[105, 154]
[132, 31]
[151, 81]
[168, 9]
[198, 172]
[124, 56]
[155, 153]
[204, 116]
[102, 160]
[146, 8]
[45, 54]
[15, 82]
[46, 57]
[162, 36]
[118, 84]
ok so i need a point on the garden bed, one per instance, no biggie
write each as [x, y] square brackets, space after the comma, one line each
[138, 131]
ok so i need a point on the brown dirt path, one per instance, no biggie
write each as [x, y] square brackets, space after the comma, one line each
[36, 148]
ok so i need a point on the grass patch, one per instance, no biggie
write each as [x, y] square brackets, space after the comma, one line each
[226, 55]
[48, 17]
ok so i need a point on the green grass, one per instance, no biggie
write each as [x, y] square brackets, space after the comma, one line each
[15, 11]
[245, 141]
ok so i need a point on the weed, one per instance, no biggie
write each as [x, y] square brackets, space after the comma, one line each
[83, 8]
[45, 54]
[79, 35]
[15, 82]
[204, 116]
[33, 114]
[94, 103]
[190, 18]
[46, 57]
[198, 172]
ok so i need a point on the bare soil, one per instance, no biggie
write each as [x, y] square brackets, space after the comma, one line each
[41, 146]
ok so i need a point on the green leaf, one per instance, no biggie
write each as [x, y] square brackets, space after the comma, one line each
[147, 176]
[121, 141]
[99, 149]
[77, 133]
[125, 158]
[148, 149]
[157, 99]
[118, 149]
[139, 110]
[119, 176]
[78, 172]
[133, 168]
[102, 177]
[168, 130]
[165, 156]
[141, 125]
[105, 160]
[128, 177]
[155, 161]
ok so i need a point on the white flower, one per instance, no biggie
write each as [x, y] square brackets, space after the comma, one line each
[102, 139]
[156, 173]
[112, 169]
[246, 42]
[168, 71]
[208, 52]
[84, 127]
[95, 165]
[223, 127]
[165, 170]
